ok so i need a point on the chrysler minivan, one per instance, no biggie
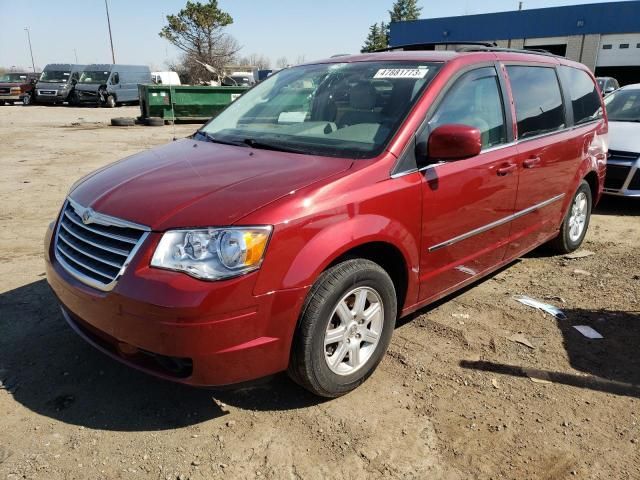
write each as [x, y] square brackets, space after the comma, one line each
[291, 231]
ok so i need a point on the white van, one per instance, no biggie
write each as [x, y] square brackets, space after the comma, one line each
[165, 78]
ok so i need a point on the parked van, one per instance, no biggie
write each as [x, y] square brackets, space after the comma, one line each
[57, 83]
[291, 231]
[165, 78]
[111, 84]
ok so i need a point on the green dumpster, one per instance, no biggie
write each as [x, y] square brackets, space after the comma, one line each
[185, 102]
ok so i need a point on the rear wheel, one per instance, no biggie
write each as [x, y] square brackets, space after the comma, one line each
[576, 222]
[345, 329]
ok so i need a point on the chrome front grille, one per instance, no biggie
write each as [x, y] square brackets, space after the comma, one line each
[96, 248]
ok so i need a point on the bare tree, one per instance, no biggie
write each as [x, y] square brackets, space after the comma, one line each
[198, 30]
[282, 62]
[256, 60]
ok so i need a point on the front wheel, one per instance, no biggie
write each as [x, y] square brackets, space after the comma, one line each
[345, 329]
[576, 222]
[26, 100]
[111, 101]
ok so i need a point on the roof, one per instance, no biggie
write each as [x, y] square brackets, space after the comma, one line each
[489, 54]
[415, 55]
[595, 18]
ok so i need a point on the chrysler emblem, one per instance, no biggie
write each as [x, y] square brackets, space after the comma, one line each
[87, 216]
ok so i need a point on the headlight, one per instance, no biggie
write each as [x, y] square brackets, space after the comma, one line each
[212, 253]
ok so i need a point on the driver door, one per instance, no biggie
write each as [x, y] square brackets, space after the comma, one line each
[468, 203]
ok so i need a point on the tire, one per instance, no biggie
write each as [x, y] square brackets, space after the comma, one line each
[310, 360]
[1, 102]
[571, 235]
[122, 122]
[154, 122]
[110, 102]
[26, 100]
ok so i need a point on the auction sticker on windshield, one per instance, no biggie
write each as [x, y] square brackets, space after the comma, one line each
[401, 73]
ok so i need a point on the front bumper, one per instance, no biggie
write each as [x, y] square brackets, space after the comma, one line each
[51, 95]
[623, 176]
[11, 97]
[178, 328]
[87, 97]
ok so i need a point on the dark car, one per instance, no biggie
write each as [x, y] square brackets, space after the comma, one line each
[17, 87]
[292, 230]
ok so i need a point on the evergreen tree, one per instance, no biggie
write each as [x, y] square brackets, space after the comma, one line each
[405, 10]
[373, 39]
[378, 37]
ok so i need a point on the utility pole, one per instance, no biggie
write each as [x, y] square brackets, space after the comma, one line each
[520, 5]
[76, 55]
[113, 55]
[33, 64]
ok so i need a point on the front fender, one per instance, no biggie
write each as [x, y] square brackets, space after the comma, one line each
[310, 257]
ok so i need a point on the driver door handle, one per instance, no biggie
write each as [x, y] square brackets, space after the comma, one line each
[506, 169]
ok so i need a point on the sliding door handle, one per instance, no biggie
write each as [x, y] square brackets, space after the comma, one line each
[532, 162]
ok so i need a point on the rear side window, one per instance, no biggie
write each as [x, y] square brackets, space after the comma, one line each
[475, 100]
[536, 93]
[585, 99]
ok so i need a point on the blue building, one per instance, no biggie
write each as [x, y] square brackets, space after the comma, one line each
[603, 36]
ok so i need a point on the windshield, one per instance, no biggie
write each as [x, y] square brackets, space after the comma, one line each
[13, 77]
[342, 110]
[623, 105]
[55, 76]
[94, 77]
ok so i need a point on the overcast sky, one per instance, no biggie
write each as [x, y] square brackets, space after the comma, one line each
[63, 29]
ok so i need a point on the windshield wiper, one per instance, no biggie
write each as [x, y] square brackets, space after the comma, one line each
[253, 143]
[211, 138]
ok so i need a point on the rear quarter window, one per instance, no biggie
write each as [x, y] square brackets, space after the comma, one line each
[585, 99]
[538, 101]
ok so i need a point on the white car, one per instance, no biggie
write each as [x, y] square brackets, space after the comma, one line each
[623, 164]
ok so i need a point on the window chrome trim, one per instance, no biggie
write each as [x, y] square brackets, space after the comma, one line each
[495, 224]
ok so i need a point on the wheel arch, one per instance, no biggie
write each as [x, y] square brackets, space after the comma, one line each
[389, 257]
[377, 238]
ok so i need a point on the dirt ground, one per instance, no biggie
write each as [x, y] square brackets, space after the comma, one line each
[453, 399]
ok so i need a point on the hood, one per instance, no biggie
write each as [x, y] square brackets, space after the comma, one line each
[190, 183]
[624, 136]
[12, 84]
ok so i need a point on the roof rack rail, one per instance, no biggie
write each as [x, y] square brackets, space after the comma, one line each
[425, 46]
[533, 51]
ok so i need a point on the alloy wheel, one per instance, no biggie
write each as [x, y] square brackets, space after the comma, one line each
[354, 330]
[578, 217]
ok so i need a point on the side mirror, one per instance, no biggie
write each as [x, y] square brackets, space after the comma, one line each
[454, 142]
[609, 90]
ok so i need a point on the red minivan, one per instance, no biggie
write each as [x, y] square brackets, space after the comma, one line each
[291, 231]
